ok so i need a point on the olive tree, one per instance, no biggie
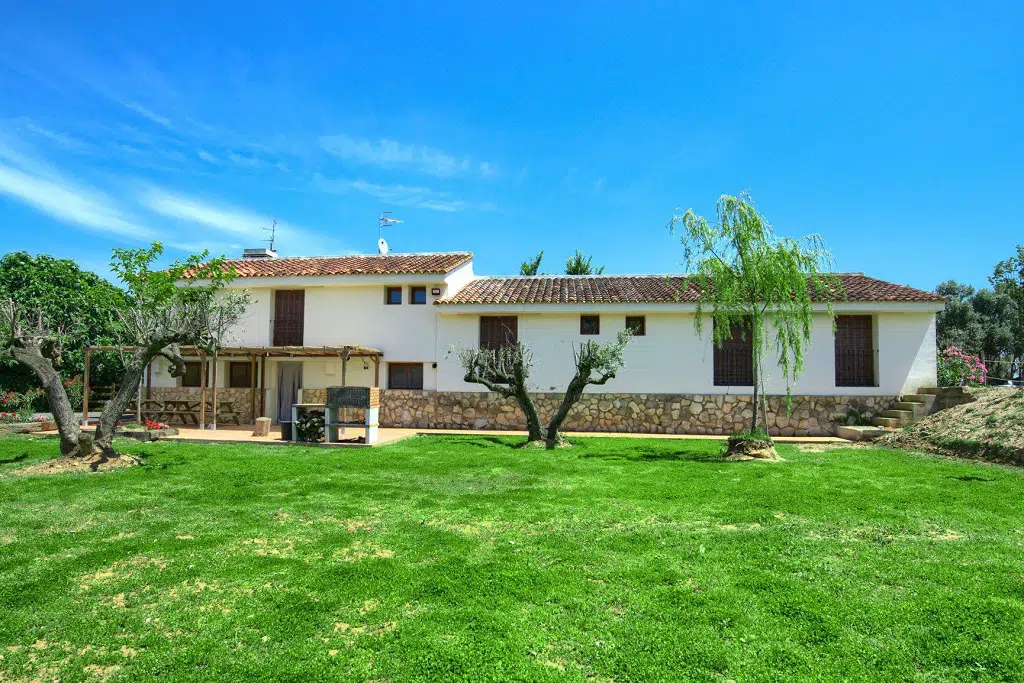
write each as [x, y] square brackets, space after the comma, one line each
[506, 371]
[745, 276]
[184, 304]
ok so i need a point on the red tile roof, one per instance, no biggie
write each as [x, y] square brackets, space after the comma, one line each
[643, 289]
[390, 264]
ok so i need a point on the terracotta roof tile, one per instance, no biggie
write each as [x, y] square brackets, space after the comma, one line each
[642, 289]
[390, 264]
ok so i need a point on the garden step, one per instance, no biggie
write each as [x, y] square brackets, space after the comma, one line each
[859, 432]
[888, 422]
[928, 390]
[905, 416]
[917, 409]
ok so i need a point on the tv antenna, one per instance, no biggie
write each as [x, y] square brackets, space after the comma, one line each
[384, 220]
[273, 233]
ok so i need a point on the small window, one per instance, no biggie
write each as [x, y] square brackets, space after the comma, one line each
[590, 324]
[405, 375]
[393, 296]
[417, 295]
[193, 374]
[239, 375]
[638, 325]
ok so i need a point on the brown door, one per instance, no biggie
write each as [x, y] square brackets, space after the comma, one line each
[289, 316]
[855, 352]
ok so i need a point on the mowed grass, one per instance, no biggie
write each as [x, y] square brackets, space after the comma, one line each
[464, 558]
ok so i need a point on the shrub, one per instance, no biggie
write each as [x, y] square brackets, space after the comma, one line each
[310, 426]
[74, 387]
[957, 369]
[18, 407]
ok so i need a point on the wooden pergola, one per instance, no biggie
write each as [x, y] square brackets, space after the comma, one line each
[253, 353]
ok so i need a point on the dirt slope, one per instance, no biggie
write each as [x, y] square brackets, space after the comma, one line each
[991, 428]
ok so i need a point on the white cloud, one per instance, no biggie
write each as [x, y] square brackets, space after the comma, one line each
[207, 157]
[72, 204]
[404, 195]
[228, 220]
[392, 154]
[148, 114]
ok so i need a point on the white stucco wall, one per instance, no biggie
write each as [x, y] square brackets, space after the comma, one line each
[671, 358]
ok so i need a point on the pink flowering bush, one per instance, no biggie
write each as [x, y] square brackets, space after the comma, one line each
[957, 369]
[17, 407]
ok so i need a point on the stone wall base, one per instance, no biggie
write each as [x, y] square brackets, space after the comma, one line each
[640, 413]
[239, 400]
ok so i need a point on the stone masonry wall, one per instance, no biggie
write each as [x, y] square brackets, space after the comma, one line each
[238, 399]
[642, 413]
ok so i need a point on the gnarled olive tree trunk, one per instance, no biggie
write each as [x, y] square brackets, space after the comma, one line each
[56, 396]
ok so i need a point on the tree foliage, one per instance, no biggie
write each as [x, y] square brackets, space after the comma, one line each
[746, 276]
[162, 309]
[79, 303]
[506, 371]
[1008, 280]
[580, 264]
[531, 266]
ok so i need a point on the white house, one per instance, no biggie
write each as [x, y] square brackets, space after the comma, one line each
[413, 308]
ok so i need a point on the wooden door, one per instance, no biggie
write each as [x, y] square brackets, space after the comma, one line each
[289, 316]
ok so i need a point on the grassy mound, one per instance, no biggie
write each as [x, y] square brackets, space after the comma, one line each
[991, 428]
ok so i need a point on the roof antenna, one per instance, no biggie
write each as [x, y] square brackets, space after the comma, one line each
[384, 220]
[273, 234]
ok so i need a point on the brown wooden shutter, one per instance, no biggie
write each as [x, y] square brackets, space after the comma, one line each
[855, 353]
[289, 317]
[497, 331]
[734, 360]
[405, 375]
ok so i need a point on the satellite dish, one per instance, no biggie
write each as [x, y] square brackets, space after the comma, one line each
[382, 246]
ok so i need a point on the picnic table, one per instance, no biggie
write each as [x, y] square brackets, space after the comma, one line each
[186, 410]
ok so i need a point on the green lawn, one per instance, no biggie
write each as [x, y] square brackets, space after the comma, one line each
[464, 558]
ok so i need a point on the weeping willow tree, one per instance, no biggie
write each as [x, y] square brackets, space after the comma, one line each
[746, 277]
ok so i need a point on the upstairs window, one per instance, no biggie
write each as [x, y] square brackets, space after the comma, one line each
[734, 360]
[590, 324]
[637, 324]
[418, 295]
[855, 352]
[289, 316]
[498, 331]
[393, 296]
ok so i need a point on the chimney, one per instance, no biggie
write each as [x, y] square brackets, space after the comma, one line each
[259, 253]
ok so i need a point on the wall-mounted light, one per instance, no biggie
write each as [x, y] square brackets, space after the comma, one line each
[436, 291]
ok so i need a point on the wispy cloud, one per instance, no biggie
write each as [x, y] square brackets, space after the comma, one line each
[65, 201]
[147, 113]
[405, 195]
[227, 220]
[393, 154]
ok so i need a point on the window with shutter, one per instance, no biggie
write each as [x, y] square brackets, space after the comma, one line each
[289, 316]
[193, 374]
[855, 352]
[734, 360]
[498, 331]
[405, 375]
[239, 375]
[590, 324]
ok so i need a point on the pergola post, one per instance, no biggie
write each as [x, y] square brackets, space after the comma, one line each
[252, 389]
[376, 371]
[202, 392]
[85, 387]
[213, 407]
[263, 387]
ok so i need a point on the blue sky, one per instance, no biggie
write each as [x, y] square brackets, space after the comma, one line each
[891, 129]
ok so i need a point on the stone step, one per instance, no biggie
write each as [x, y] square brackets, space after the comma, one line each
[859, 432]
[917, 398]
[917, 409]
[905, 416]
[888, 422]
[928, 390]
